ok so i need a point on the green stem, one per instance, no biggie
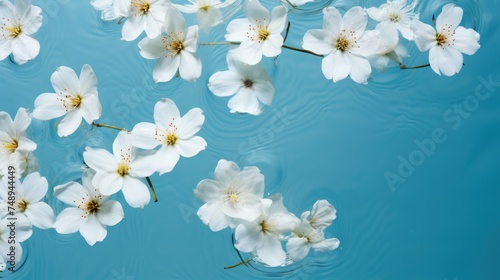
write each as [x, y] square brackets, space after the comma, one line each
[238, 264]
[108, 126]
[155, 198]
[300, 50]
[217, 43]
[404, 67]
[286, 32]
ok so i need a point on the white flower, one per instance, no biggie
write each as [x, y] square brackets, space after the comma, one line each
[28, 164]
[75, 98]
[27, 199]
[390, 47]
[91, 211]
[207, 12]
[22, 232]
[250, 85]
[121, 170]
[309, 233]
[175, 51]
[397, 14]
[106, 7]
[344, 43]
[233, 194]
[259, 33]
[447, 42]
[18, 23]
[263, 236]
[14, 145]
[143, 15]
[173, 133]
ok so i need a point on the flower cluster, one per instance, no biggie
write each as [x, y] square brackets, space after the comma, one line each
[235, 199]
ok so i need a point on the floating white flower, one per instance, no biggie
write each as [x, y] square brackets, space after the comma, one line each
[28, 196]
[309, 233]
[75, 98]
[14, 146]
[106, 7]
[250, 85]
[344, 43]
[142, 15]
[447, 42]
[91, 211]
[18, 23]
[263, 236]
[22, 232]
[174, 134]
[121, 170]
[233, 194]
[207, 12]
[259, 33]
[390, 47]
[397, 14]
[175, 51]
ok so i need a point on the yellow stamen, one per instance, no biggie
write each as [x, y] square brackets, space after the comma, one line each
[11, 147]
[263, 34]
[171, 139]
[93, 206]
[141, 6]
[14, 31]
[441, 39]
[76, 101]
[204, 8]
[342, 44]
[122, 169]
[22, 205]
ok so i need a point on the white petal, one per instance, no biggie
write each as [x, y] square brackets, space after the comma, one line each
[211, 17]
[69, 220]
[318, 41]
[165, 68]
[209, 191]
[271, 252]
[360, 69]
[247, 208]
[108, 183]
[22, 121]
[64, 80]
[271, 47]
[152, 48]
[237, 30]
[92, 230]
[248, 236]
[165, 159]
[264, 90]
[332, 20]
[5, 48]
[70, 193]
[90, 108]
[254, 11]
[40, 214]
[449, 61]
[110, 213]
[136, 193]
[425, 35]
[151, 26]
[100, 159]
[190, 123]
[245, 101]
[224, 83]
[69, 123]
[189, 66]
[174, 21]
[326, 245]
[336, 66]
[32, 20]
[190, 147]
[33, 188]
[132, 28]
[466, 40]
[25, 47]
[88, 81]
[450, 15]
[297, 248]
[278, 21]
[211, 215]
[166, 112]
[143, 136]
[322, 214]
[355, 19]
[142, 165]
[377, 14]
[47, 107]
[248, 51]
[225, 171]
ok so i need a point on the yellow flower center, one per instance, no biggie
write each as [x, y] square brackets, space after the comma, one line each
[174, 43]
[76, 100]
[140, 6]
[122, 169]
[263, 34]
[394, 18]
[11, 147]
[264, 226]
[342, 44]
[93, 206]
[441, 39]
[14, 31]
[204, 8]
[171, 139]
[22, 205]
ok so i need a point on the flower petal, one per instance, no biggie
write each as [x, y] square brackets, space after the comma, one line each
[466, 40]
[166, 112]
[33, 188]
[355, 19]
[270, 251]
[297, 248]
[190, 147]
[64, 81]
[144, 136]
[48, 106]
[224, 83]
[190, 123]
[110, 213]
[332, 20]
[208, 190]
[165, 159]
[211, 215]
[165, 68]
[70, 193]
[40, 214]
[92, 230]
[69, 220]
[136, 193]
[132, 28]
[90, 108]
[88, 81]
[25, 48]
[326, 245]
[189, 66]
[318, 41]
[450, 17]
[237, 30]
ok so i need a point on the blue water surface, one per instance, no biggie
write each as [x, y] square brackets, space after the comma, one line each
[409, 206]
